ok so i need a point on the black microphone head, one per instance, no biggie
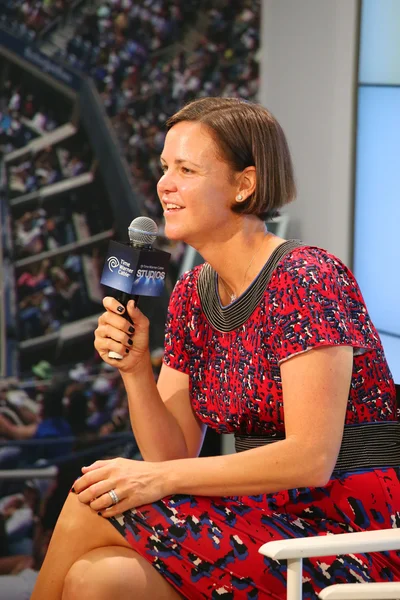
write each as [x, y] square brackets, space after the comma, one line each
[142, 232]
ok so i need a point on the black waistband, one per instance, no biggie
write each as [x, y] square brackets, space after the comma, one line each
[366, 445]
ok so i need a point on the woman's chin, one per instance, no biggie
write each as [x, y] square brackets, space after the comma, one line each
[173, 233]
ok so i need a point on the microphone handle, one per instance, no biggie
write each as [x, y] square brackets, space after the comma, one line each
[123, 299]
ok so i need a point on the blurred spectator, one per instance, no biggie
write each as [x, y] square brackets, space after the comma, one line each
[74, 166]
[29, 232]
[15, 101]
[43, 370]
[29, 107]
[39, 120]
[52, 424]
[35, 388]
[99, 409]
[18, 406]
[76, 404]
[18, 512]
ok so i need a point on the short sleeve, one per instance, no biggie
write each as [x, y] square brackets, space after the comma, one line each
[175, 353]
[316, 302]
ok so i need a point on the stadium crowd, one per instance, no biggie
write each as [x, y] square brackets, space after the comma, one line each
[44, 168]
[51, 293]
[51, 225]
[31, 18]
[22, 117]
[62, 419]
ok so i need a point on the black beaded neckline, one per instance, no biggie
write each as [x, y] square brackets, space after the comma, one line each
[230, 317]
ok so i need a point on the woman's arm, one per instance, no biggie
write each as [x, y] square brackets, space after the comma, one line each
[17, 432]
[162, 419]
[315, 390]
[161, 416]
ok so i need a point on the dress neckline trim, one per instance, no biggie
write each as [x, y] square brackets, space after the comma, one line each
[230, 317]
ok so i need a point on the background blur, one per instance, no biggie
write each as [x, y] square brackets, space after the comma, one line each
[85, 90]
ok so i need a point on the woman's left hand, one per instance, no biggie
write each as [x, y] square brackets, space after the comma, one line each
[134, 482]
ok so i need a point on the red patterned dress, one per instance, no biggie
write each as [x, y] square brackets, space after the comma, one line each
[207, 547]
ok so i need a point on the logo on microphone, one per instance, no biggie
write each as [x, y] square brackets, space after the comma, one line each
[113, 263]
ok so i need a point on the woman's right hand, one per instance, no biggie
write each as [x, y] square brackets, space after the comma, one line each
[114, 332]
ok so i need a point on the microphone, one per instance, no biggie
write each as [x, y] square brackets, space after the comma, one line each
[135, 269]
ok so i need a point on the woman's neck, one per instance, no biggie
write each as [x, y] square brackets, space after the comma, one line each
[240, 258]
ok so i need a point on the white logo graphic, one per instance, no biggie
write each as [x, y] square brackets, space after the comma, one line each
[113, 263]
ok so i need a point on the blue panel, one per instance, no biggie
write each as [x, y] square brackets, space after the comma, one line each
[377, 226]
[391, 346]
[380, 42]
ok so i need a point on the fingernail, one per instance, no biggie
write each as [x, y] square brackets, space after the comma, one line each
[131, 329]
[126, 350]
[73, 490]
[130, 342]
[99, 513]
[120, 309]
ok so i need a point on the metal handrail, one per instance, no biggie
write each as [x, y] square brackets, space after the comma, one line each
[50, 468]
[39, 473]
[121, 435]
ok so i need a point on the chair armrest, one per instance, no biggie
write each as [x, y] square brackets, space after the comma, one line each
[332, 545]
[387, 590]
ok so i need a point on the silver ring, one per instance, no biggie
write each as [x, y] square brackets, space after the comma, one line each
[114, 497]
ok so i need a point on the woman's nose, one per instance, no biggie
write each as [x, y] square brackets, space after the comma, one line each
[166, 183]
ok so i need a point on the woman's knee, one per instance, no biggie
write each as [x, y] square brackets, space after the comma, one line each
[115, 572]
[75, 581]
[101, 574]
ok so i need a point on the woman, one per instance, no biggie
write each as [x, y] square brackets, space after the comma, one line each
[270, 340]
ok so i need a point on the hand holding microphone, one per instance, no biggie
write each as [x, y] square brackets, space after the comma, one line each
[116, 336]
[133, 270]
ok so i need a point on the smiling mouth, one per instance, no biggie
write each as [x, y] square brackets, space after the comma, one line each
[170, 207]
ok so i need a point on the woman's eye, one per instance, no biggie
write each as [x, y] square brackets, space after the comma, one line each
[186, 170]
[163, 168]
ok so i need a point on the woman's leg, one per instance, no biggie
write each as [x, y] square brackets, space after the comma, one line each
[115, 572]
[78, 532]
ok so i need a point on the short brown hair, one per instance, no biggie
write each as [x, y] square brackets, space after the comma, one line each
[248, 135]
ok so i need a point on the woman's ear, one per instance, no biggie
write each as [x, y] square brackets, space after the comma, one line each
[247, 184]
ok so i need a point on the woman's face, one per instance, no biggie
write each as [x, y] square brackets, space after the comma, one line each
[197, 188]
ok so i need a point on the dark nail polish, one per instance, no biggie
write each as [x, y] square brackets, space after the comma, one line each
[126, 350]
[99, 513]
[131, 329]
[120, 309]
[73, 490]
[130, 342]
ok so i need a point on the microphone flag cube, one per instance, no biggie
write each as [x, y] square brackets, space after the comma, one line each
[135, 271]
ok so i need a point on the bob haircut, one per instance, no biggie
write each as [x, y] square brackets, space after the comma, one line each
[246, 134]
